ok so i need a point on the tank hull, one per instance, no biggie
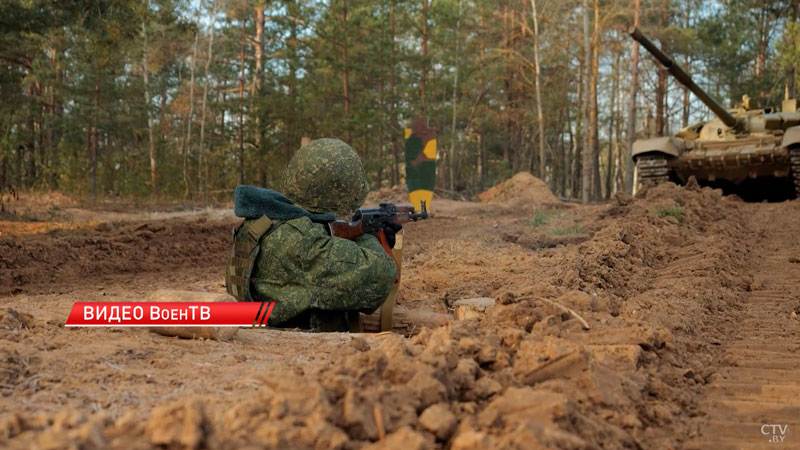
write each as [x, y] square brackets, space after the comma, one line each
[753, 158]
[732, 164]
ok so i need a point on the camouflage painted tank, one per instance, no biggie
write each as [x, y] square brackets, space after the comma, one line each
[736, 146]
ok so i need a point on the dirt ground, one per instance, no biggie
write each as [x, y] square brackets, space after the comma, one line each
[691, 300]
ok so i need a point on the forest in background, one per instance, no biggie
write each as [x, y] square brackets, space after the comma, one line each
[186, 98]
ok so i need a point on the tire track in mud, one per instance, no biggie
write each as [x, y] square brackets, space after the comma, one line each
[754, 398]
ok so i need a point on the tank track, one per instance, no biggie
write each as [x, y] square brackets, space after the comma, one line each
[794, 158]
[653, 170]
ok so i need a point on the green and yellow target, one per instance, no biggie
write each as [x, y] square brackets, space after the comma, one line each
[420, 162]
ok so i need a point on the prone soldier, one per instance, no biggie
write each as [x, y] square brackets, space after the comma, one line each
[287, 250]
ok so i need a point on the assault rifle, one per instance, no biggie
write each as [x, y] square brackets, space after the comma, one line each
[374, 220]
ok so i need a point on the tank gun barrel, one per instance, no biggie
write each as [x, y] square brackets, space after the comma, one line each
[677, 71]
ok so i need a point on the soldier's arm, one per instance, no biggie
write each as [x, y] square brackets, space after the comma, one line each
[303, 268]
[348, 275]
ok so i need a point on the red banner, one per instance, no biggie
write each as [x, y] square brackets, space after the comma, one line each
[170, 314]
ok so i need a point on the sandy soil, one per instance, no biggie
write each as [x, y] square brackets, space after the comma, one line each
[691, 299]
[522, 186]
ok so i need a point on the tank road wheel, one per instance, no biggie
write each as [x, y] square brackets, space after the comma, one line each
[794, 155]
[652, 170]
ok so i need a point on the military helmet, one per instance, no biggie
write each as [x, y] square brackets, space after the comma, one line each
[326, 176]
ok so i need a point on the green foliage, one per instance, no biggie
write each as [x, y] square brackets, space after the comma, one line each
[541, 217]
[672, 211]
[734, 42]
[568, 231]
[788, 48]
[72, 71]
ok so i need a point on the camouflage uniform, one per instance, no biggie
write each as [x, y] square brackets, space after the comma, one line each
[313, 278]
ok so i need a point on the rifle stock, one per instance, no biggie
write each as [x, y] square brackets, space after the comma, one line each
[346, 230]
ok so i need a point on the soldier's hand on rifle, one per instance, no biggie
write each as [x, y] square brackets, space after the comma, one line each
[390, 230]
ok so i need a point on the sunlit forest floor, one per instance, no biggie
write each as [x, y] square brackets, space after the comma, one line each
[27, 213]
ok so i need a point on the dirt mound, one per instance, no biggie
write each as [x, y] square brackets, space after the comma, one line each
[14, 369]
[34, 205]
[394, 194]
[650, 277]
[33, 262]
[50, 199]
[522, 186]
[11, 319]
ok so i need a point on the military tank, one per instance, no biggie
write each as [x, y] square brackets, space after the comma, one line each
[735, 147]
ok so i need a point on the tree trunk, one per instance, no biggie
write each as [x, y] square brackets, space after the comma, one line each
[345, 74]
[54, 133]
[686, 65]
[20, 156]
[587, 153]
[507, 85]
[619, 169]
[189, 119]
[561, 159]
[3, 172]
[661, 91]
[481, 161]
[631, 128]
[594, 143]
[537, 82]
[686, 102]
[382, 119]
[481, 153]
[794, 12]
[661, 84]
[289, 141]
[146, 78]
[763, 41]
[30, 159]
[49, 150]
[576, 138]
[393, 93]
[259, 50]
[108, 159]
[611, 123]
[381, 143]
[34, 133]
[241, 103]
[451, 160]
[201, 169]
[256, 90]
[424, 51]
[93, 133]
